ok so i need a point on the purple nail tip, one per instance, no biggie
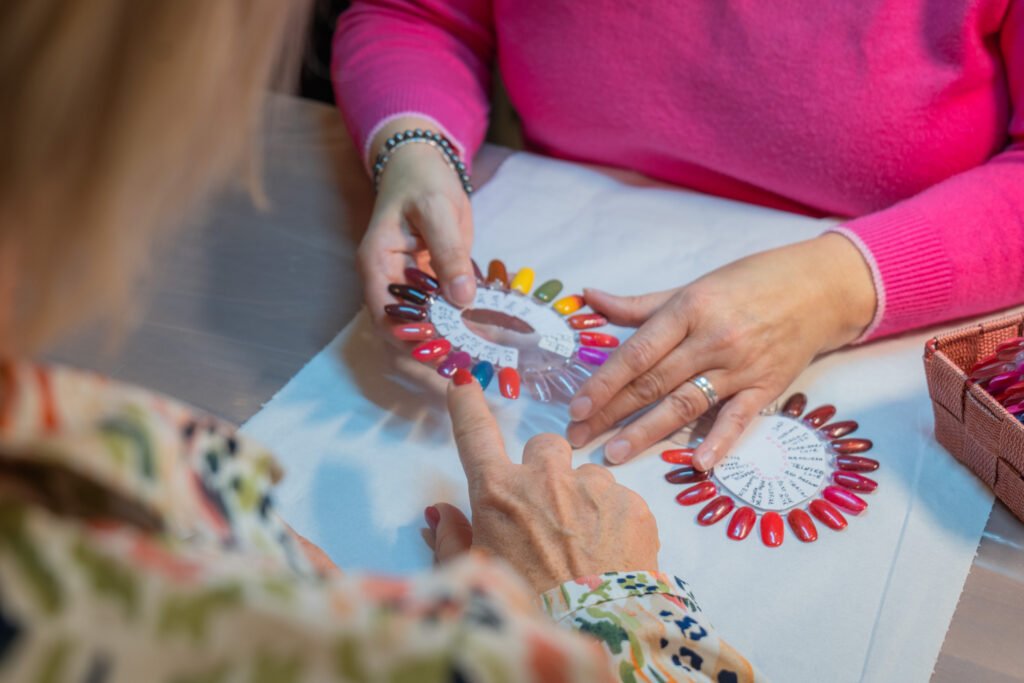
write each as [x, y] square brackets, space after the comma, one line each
[454, 361]
[592, 356]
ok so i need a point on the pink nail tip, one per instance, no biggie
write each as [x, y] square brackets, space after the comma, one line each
[1004, 381]
[592, 356]
[835, 430]
[847, 500]
[820, 415]
[795, 405]
[686, 475]
[856, 463]
[697, 494]
[854, 481]
[431, 350]
[454, 362]
[847, 446]
[715, 511]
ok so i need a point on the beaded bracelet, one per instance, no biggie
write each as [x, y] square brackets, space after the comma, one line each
[429, 137]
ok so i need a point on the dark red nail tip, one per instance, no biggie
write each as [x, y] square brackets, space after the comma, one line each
[820, 415]
[795, 405]
[802, 525]
[827, 514]
[686, 475]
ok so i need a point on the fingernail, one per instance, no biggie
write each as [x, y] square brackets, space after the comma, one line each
[704, 457]
[462, 377]
[432, 515]
[578, 434]
[617, 451]
[580, 407]
[462, 290]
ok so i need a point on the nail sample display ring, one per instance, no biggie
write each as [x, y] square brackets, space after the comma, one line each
[787, 465]
[537, 340]
[702, 383]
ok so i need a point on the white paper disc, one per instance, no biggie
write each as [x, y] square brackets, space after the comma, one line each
[779, 463]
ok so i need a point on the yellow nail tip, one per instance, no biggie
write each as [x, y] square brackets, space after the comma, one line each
[569, 305]
[523, 281]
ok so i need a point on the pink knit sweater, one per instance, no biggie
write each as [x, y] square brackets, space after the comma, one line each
[906, 115]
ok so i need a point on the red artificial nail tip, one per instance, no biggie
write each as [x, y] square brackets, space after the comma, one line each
[854, 481]
[856, 463]
[827, 514]
[847, 446]
[741, 524]
[414, 331]
[715, 510]
[697, 493]
[820, 415]
[431, 349]
[772, 529]
[678, 456]
[838, 429]
[686, 475]
[795, 405]
[606, 341]
[802, 525]
[847, 500]
[508, 382]
[462, 377]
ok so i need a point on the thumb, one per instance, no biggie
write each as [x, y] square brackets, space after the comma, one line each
[453, 534]
[439, 226]
[627, 311]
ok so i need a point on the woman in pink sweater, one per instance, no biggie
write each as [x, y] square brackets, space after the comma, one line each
[906, 116]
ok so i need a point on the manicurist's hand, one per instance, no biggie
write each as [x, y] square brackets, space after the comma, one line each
[749, 328]
[551, 522]
[421, 218]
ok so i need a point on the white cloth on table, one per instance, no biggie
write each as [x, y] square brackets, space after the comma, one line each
[366, 442]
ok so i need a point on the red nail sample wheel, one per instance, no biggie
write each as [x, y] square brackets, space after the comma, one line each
[791, 467]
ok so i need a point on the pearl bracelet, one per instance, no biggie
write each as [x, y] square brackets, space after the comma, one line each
[429, 137]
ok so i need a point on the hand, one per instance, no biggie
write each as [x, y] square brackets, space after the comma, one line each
[421, 218]
[750, 328]
[551, 522]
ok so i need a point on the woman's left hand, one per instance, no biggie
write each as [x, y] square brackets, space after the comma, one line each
[749, 328]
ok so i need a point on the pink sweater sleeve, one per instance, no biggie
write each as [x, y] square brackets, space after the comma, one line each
[956, 249]
[431, 58]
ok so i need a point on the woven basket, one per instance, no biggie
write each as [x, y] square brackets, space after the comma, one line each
[969, 423]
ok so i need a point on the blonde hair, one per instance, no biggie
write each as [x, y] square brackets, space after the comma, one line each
[117, 117]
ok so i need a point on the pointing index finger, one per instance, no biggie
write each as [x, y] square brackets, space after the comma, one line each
[477, 437]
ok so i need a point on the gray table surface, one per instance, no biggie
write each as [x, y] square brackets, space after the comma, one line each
[244, 300]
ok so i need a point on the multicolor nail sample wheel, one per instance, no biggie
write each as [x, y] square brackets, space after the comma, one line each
[790, 465]
[541, 340]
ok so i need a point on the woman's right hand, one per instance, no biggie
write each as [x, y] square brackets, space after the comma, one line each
[421, 217]
[551, 522]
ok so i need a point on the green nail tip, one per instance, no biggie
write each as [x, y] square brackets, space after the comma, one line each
[548, 291]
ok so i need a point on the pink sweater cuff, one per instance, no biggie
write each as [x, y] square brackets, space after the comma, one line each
[463, 125]
[911, 269]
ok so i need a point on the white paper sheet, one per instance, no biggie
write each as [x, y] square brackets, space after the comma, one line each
[367, 445]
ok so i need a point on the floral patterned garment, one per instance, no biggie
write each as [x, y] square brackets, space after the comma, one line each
[138, 542]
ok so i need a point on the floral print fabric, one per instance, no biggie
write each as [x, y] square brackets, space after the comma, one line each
[139, 542]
